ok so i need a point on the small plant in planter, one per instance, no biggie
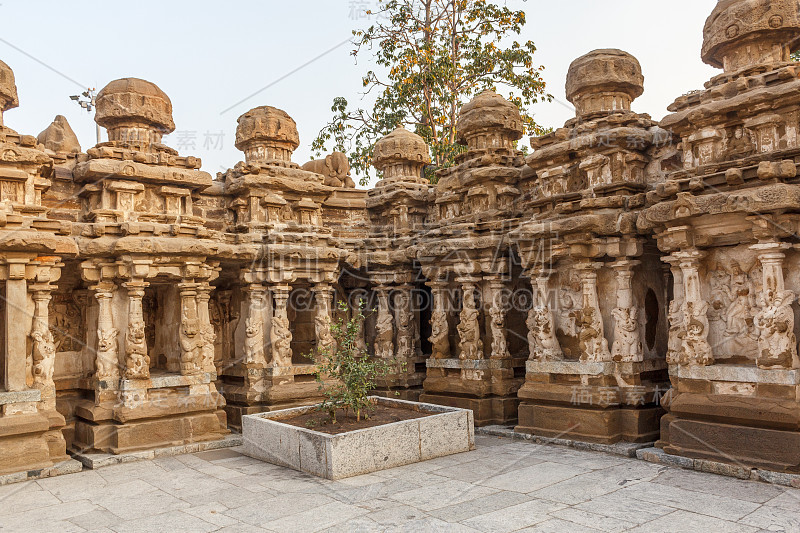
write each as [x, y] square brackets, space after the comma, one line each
[345, 372]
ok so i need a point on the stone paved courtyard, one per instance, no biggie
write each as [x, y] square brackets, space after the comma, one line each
[502, 486]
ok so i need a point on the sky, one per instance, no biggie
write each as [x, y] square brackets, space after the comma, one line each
[217, 60]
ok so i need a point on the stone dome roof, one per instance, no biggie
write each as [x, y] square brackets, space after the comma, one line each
[8, 88]
[734, 23]
[267, 124]
[606, 70]
[400, 145]
[132, 100]
[489, 111]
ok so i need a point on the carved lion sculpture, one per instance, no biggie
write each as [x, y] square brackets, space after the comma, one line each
[336, 169]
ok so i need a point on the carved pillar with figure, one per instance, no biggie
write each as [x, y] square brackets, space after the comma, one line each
[137, 360]
[279, 334]
[627, 345]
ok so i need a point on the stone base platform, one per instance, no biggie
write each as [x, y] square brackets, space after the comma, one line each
[603, 426]
[599, 402]
[94, 461]
[487, 411]
[734, 414]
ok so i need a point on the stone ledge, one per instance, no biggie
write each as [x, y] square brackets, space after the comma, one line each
[737, 373]
[23, 396]
[625, 449]
[94, 461]
[659, 456]
[592, 368]
[472, 364]
[70, 466]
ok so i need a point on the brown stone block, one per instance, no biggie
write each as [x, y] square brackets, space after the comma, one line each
[23, 424]
[695, 386]
[24, 452]
[770, 390]
[744, 410]
[748, 447]
[605, 426]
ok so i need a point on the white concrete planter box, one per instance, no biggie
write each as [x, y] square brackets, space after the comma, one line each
[446, 431]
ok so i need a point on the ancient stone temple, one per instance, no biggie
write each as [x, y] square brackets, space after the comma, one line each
[726, 223]
[597, 325]
[478, 348]
[627, 281]
[32, 254]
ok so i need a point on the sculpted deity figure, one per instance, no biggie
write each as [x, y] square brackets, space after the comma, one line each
[468, 328]
[44, 353]
[405, 328]
[738, 317]
[497, 321]
[207, 350]
[384, 338]
[254, 341]
[594, 346]
[542, 339]
[627, 340]
[569, 312]
[695, 348]
[191, 347]
[676, 332]
[281, 340]
[740, 145]
[137, 362]
[777, 344]
[107, 358]
[439, 336]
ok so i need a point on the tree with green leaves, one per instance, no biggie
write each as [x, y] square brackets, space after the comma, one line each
[433, 56]
[345, 372]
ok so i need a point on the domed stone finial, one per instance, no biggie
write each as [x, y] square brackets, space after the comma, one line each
[8, 90]
[401, 155]
[59, 137]
[742, 33]
[134, 111]
[489, 121]
[267, 133]
[603, 82]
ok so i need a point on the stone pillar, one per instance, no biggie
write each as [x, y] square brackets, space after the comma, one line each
[594, 345]
[677, 325]
[777, 344]
[440, 328]
[497, 319]
[254, 326]
[627, 345]
[279, 334]
[469, 328]
[404, 318]
[543, 343]
[384, 338]
[137, 361]
[191, 340]
[323, 295]
[107, 362]
[207, 333]
[695, 349]
[43, 351]
[16, 335]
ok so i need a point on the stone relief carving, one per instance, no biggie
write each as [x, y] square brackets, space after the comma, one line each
[627, 345]
[191, 342]
[137, 361]
[468, 327]
[44, 353]
[384, 339]
[254, 341]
